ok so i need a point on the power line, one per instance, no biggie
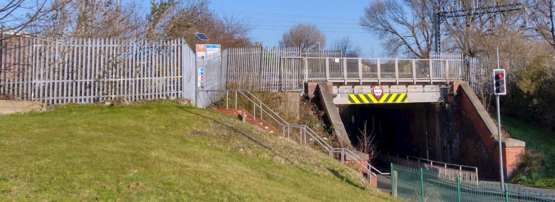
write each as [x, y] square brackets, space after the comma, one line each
[288, 15]
[285, 26]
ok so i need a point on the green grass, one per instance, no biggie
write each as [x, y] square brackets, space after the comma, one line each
[538, 165]
[162, 152]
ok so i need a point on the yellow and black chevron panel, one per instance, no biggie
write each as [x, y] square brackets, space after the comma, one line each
[370, 99]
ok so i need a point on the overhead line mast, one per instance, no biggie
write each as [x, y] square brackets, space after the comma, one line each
[441, 16]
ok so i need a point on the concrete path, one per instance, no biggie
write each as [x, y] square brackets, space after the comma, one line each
[533, 189]
[16, 106]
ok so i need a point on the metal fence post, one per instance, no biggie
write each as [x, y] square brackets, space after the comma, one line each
[378, 65]
[343, 155]
[288, 134]
[305, 60]
[397, 70]
[345, 70]
[235, 99]
[458, 189]
[506, 194]
[414, 71]
[226, 99]
[360, 70]
[394, 184]
[422, 184]
[327, 69]
[448, 74]
[392, 176]
[431, 71]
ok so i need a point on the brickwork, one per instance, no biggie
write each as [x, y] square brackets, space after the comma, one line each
[310, 87]
[362, 169]
[512, 157]
[477, 143]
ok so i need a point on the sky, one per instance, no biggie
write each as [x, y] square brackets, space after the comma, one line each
[270, 19]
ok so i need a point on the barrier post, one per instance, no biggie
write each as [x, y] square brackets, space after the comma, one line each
[458, 189]
[422, 184]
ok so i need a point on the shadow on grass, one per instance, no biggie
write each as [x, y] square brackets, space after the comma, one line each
[244, 134]
[345, 179]
[334, 172]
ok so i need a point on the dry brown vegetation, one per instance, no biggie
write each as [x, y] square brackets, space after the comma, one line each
[112, 19]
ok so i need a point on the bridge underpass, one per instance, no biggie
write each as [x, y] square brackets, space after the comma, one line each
[411, 129]
[459, 130]
[443, 122]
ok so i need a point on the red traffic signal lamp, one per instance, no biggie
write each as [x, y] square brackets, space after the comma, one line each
[499, 84]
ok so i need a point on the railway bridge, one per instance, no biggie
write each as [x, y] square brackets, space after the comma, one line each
[422, 108]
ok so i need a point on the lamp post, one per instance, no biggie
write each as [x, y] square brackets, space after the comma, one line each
[199, 37]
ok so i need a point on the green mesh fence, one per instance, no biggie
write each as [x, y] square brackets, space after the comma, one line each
[421, 185]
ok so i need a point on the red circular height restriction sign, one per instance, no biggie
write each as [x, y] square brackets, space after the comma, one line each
[377, 91]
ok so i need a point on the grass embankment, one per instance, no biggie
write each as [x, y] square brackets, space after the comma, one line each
[158, 152]
[538, 166]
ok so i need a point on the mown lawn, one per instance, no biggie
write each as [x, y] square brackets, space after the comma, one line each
[161, 151]
[538, 167]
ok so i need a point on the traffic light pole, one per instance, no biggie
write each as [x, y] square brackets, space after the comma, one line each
[500, 144]
[502, 86]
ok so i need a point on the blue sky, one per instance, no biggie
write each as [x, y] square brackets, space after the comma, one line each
[271, 19]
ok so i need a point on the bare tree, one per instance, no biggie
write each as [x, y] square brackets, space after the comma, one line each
[16, 15]
[304, 36]
[402, 32]
[366, 143]
[347, 48]
[543, 18]
[196, 16]
[159, 12]
[91, 18]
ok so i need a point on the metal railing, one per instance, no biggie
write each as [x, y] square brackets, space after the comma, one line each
[246, 100]
[260, 69]
[360, 70]
[421, 185]
[87, 70]
[468, 174]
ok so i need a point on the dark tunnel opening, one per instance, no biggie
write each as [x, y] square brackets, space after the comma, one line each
[410, 129]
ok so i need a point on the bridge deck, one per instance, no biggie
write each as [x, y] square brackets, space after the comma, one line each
[391, 94]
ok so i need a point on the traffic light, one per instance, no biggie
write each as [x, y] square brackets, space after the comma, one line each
[499, 84]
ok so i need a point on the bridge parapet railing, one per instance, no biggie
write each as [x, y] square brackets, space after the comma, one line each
[396, 70]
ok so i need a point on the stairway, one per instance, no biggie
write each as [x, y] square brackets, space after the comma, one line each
[239, 112]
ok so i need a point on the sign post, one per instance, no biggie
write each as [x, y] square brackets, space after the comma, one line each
[199, 37]
[205, 69]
